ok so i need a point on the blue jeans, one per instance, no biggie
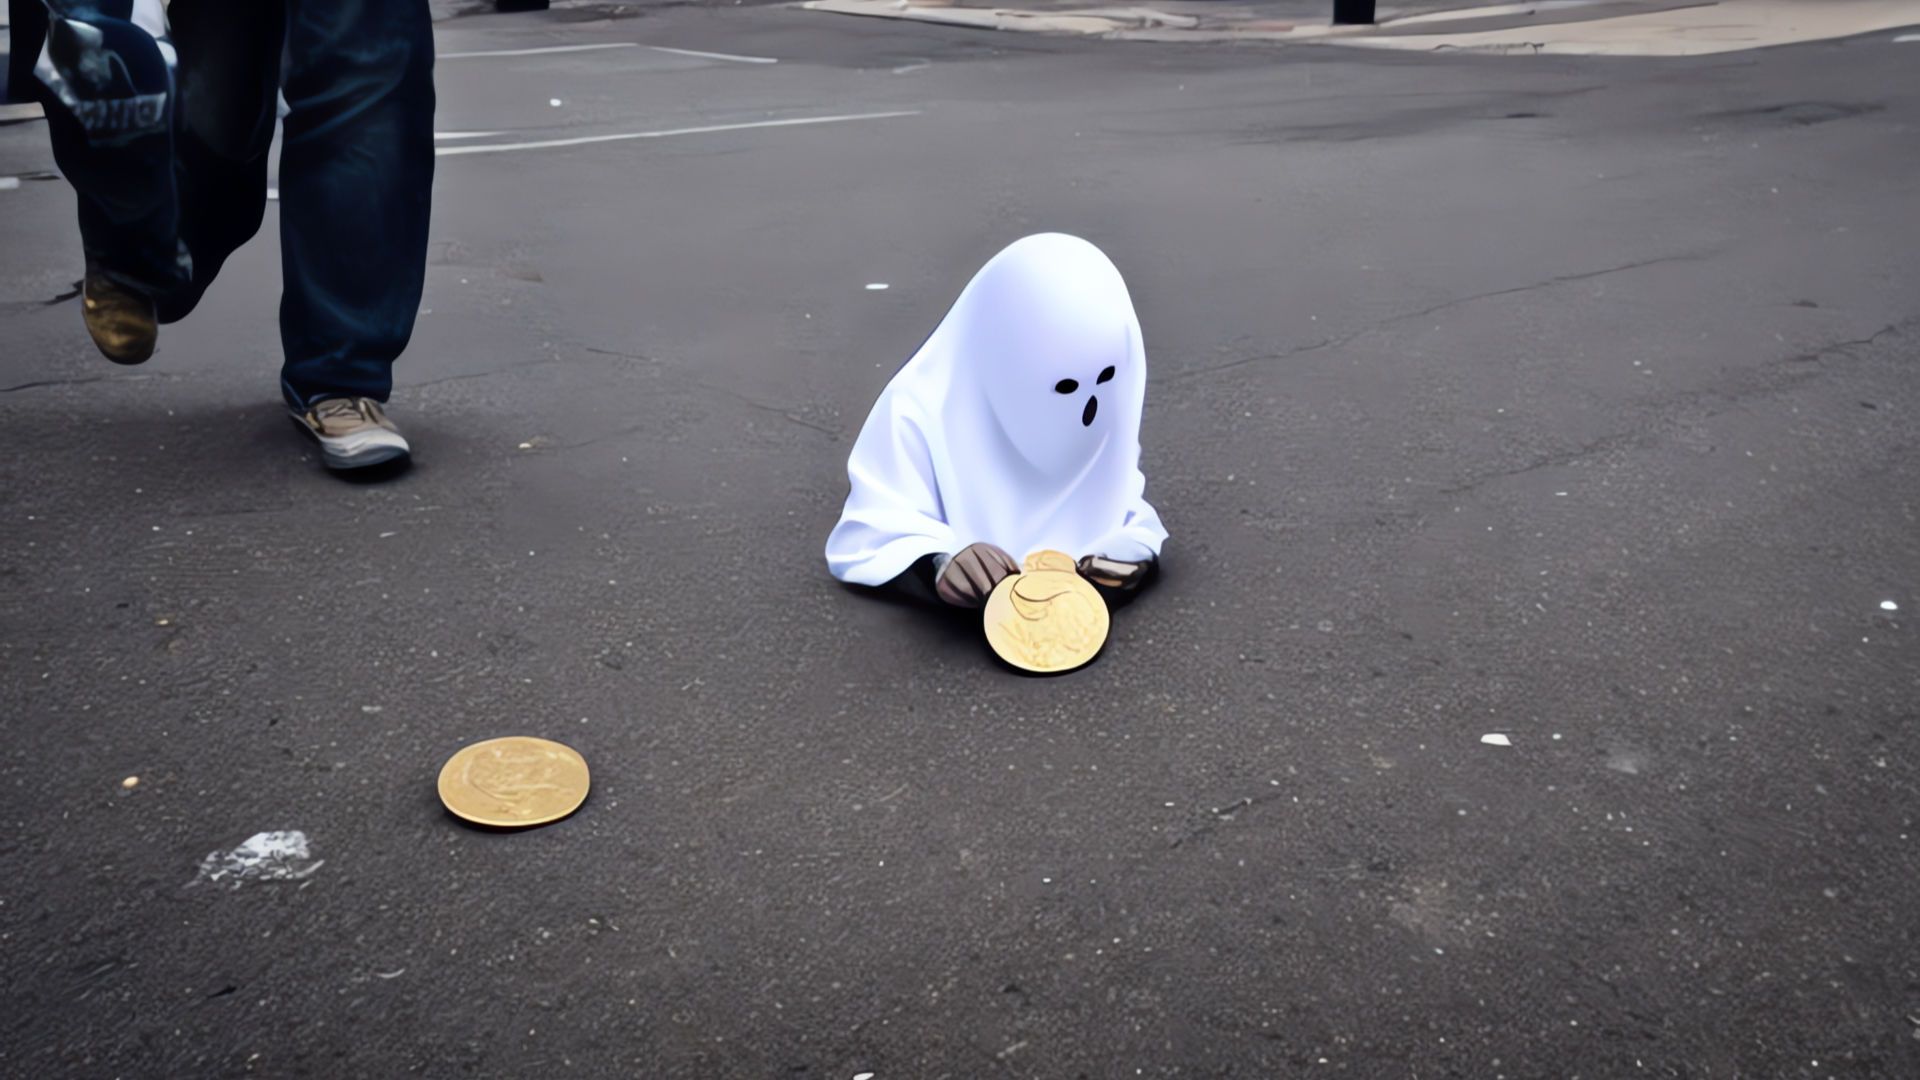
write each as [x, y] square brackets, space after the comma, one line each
[170, 164]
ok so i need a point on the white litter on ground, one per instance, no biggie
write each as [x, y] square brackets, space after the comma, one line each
[8, 183]
[555, 102]
[267, 856]
[1888, 605]
[1496, 739]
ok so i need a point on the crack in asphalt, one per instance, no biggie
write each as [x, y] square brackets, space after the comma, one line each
[1602, 445]
[82, 380]
[1221, 815]
[1344, 339]
[1628, 439]
[508, 370]
[784, 412]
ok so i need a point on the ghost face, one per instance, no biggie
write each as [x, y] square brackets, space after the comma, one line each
[1051, 342]
[1050, 408]
[1070, 387]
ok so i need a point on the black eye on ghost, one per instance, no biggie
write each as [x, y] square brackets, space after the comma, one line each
[1068, 386]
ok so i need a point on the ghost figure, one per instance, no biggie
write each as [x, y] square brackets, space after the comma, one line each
[1014, 429]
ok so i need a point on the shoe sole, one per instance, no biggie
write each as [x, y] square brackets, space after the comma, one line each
[358, 451]
[125, 359]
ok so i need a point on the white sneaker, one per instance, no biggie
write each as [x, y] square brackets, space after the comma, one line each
[353, 432]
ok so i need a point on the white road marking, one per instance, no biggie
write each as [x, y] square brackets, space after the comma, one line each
[877, 286]
[550, 49]
[715, 55]
[538, 52]
[917, 65]
[8, 183]
[552, 144]
[1906, 37]
[466, 134]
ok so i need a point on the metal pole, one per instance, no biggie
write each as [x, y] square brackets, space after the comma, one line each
[1353, 11]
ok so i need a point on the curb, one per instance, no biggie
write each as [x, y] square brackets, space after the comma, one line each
[1645, 28]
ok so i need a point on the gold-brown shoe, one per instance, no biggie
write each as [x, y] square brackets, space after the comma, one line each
[122, 322]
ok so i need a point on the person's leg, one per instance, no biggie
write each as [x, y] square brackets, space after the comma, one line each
[227, 79]
[356, 177]
[109, 96]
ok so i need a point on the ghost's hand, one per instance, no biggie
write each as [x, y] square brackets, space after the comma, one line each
[1113, 573]
[972, 574]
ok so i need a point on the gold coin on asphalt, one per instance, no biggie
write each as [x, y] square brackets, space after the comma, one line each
[1046, 621]
[1050, 560]
[514, 782]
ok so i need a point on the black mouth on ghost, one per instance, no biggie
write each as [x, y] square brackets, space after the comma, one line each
[1086, 415]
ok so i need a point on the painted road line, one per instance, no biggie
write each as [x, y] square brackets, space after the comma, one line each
[549, 49]
[715, 55]
[538, 52]
[466, 134]
[552, 144]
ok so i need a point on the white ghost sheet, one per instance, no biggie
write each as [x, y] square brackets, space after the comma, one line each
[1016, 424]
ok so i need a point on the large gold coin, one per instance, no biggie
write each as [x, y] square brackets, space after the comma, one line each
[1046, 621]
[1050, 560]
[514, 782]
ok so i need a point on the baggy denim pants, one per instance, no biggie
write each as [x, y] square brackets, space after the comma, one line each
[165, 140]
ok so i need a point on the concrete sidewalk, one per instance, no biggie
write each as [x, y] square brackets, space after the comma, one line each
[1572, 27]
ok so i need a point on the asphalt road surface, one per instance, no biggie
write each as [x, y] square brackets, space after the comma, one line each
[1567, 400]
